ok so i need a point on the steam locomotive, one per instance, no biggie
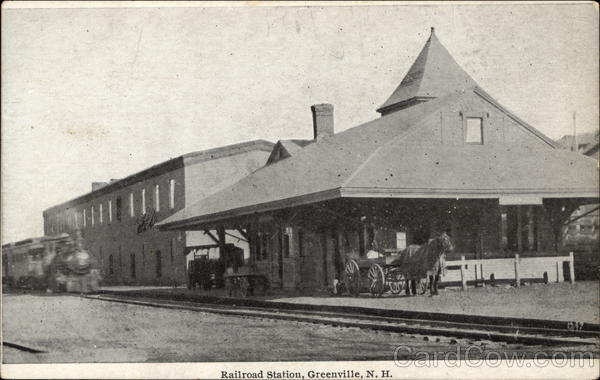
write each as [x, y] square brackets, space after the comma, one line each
[54, 263]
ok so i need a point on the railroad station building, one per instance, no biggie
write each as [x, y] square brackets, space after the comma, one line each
[117, 219]
[443, 156]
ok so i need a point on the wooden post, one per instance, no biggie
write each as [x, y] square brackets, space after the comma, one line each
[530, 227]
[481, 274]
[463, 274]
[251, 242]
[503, 227]
[572, 267]
[221, 238]
[517, 276]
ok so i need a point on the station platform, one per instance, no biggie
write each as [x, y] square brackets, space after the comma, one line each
[557, 303]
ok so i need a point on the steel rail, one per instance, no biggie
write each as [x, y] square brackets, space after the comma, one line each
[525, 335]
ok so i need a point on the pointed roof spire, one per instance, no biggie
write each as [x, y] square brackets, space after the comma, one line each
[433, 74]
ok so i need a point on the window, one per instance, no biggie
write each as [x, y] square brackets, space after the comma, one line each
[301, 243]
[172, 249]
[131, 208]
[172, 194]
[371, 238]
[110, 211]
[286, 242]
[118, 208]
[143, 201]
[158, 265]
[362, 252]
[84, 218]
[519, 228]
[264, 243]
[257, 246]
[157, 197]
[586, 229]
[111, 265]
[100, 212]
[400, 240]
[120, 260]
[92, 214]
[76, 219]
[132, 264]
[474, 131]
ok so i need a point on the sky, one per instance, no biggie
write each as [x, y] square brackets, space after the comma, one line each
[98, 93]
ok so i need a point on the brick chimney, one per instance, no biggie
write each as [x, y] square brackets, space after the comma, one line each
[322, 120]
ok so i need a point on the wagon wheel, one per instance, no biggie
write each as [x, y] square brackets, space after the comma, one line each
[422, 285]
[376, 280]
[352, 277]
[397, 283]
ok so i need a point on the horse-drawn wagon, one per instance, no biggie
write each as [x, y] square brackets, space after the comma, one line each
[413, 270]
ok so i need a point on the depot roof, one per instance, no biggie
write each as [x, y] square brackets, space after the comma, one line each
[381, 158]
[373, 160]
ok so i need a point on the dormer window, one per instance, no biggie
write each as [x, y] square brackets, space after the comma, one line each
[474, 130]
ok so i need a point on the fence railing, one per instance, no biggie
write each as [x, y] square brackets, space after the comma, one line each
[514, 270]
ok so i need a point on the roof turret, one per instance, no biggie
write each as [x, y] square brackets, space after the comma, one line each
[433, 74]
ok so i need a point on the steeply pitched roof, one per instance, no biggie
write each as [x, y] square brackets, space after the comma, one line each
[373, 160]
[433, 74]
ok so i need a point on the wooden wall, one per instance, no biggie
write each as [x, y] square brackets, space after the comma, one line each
[319, 247]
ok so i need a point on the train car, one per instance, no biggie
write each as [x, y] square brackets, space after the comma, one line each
[54, 263]
[23, 261]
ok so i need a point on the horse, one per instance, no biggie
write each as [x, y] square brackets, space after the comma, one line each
[426, 261]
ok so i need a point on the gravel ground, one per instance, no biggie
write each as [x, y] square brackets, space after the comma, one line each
[563, 301]
[73, 329]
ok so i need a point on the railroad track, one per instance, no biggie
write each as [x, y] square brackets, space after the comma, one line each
[21, 347]
[499, 333]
